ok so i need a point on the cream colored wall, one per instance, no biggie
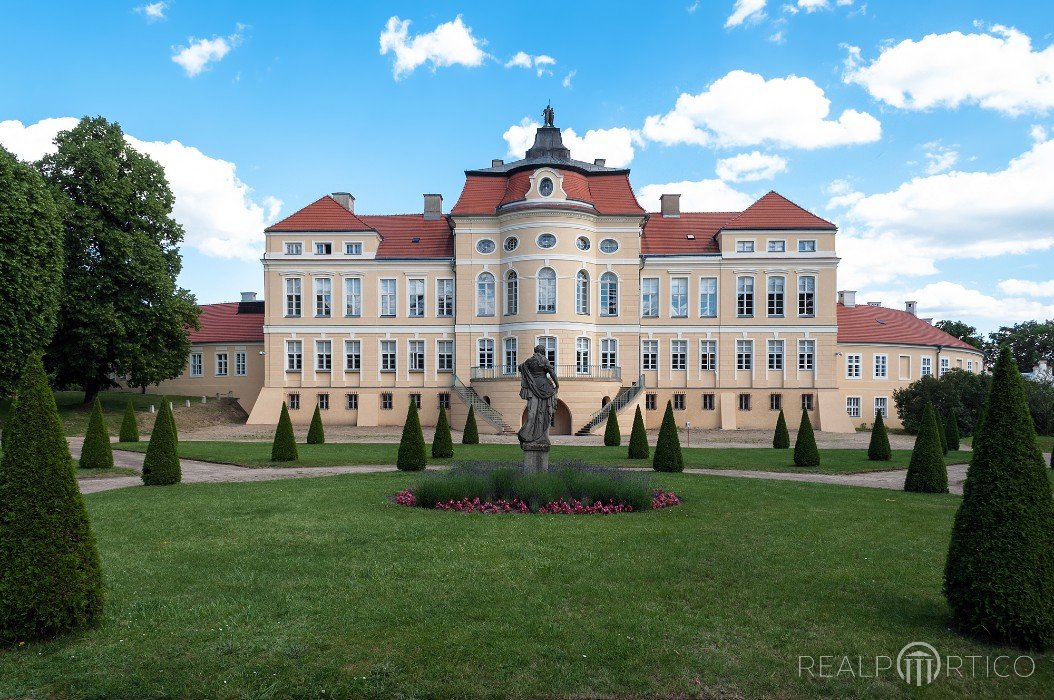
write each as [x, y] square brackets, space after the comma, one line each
[246, 389]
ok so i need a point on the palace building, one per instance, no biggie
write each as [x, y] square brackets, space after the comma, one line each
[729, 316]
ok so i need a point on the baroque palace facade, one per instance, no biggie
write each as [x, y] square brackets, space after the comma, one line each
[729, 316]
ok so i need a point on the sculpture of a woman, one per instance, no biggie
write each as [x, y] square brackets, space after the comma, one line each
[540, 393]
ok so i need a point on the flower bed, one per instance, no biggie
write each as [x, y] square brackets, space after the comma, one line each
[659, 499]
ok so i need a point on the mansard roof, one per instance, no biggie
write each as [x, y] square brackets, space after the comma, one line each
[877, 324]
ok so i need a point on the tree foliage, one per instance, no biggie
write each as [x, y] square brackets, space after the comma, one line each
[129, 425]
[412, 456]
[96, 452]
[878, 449]
[442, 441]
[50, 575]
[470, 436]
[963, 331]
[1029, 342]
[999, 577]
[30, 267]
[121, 312]
[781, 437]
[668, 457]
[316, 434]
[283, 449]
[951, 433]
[958, 393]
[806, 454]
[926, 470]
[941, 433]
[638, 438]
[161, 464]
[612, 434]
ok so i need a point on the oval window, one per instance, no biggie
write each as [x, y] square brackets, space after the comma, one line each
[582, 243]
[545, 187]
[511, 243]
[609, 245]
[546, 240]
[485, 246]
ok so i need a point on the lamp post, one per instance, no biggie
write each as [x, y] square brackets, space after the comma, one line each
[688, 427]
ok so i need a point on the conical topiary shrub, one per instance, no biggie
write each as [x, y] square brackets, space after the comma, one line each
[638, 438]
[161, 464]
[806, 454]
[926, 471]
[412, 457]
[612, 434]
[471, 434]
[96, 452]
[316, 434]
[878, 450]
[129, 425]
[781, 439]
[442, 443]
[941, 433]
[7, 422]
[283, 449]
[999, 578]
[668, 457]
[50, 576]
[951, 433]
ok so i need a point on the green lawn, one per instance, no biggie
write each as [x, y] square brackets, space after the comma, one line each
[104, 473]
[74, 413]
[258, 454]
[321, 588]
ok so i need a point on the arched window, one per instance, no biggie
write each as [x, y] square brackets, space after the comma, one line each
[512, 293]
[582, 292]
[485, 294]
[608, 294]
[547, 290]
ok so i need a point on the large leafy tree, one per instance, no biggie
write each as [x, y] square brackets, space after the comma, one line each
[1029, 342]
[122, 313]
[963, 331]
[958, 393]
[30, 266]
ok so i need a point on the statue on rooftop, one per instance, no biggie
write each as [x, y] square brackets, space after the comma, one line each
[548, 114]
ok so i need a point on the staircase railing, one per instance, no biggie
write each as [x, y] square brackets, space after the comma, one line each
[482, 409]
[625, 396]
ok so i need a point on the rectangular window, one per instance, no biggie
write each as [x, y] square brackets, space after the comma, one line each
[351, 402]
[486, 353]
[323, 355]
[708, 402]
[807, 296]
[649, 402]
[806, 355]
[881, 406]
[445, 356]
[294, 248]
[510, 359]
[323, 402]
[323, 249]
[927, 367]
[444, 401]
[323, 297]
[745, 354]
[294, 402]
[744, 402]
[649, 354]
[292, 296]
[852, 406]
[852, 366]
[549, 343]
[352, 355]
[881, 366]
[745, 296]
[678, 354]
[197, 364]
[945, 366]
[678, 402]
[806, 402]
[582, 355]
[708, 355]
[776, 290]
[221, 364]
[608, 353]
[744, 246]
[416, 398]
[969, 366]
[649, 294]
[388, 299]
[775, 402]
[352, 248]
[777, 246]
[239, 364]
[416, 301]
[386, 401]
[775, 355]
[679, 297]
[388, 351]
[807, 246]
[294, 355]
[707, 297]
[445, 298]
[353, 296]
[417, 355]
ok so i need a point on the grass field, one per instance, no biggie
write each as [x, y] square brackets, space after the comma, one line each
[321, 588]
[258, 454]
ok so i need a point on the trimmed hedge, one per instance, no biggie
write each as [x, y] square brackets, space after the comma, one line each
[951, 433]
[129, 425]
[805, 452]
[926, 471]
[612, 434]
[878, 449]
[443, 442]
[161, 464]
[412, 457]
[50, 574]
[781, 439]
[470, 436]
[999, 577]
[283, 449]
[668, 457]
[316, 434]
[96, 452]
[638, 438]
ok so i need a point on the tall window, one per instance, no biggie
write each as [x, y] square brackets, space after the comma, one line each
[608, 294]
[549, 343]
[881, 366]
[239, 364]
[323, 355]
[806, 296]
[806, 355]
[294, 355]
[292, 296]
[486, 353]
[444, 298]
[221, 364]
[582, 355]
[776, 289]
[881, 406]
[945, 366]
[775, 355]
[323, 296]
[485, 294]
[353, 296]
[352, 355]
[510, 361]
[707, 297]
[417, 355]
[445, 356]
[416, 298]
[547, 290]
[852, 406]
[745, 354]
[678, 354]
[649, 297]
[388, 300]
[679, 297]
[608, 353]
[582, 292]
[388, 355]
[745, 296]
[852, 366]
[927, 367]
[512, 293]
[196, 364]
[649, 354]
[708, 355]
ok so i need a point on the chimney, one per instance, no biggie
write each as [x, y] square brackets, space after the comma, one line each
[599, 162]
[248, 296]
[433, 207]
[345, 200]
[670, 205]
[912, 307]
[496, 162]
[847, 299]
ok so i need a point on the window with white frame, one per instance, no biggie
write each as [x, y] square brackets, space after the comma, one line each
[807, 296]
[927, 367]
[608, 294]
[776, 290]
[678, 297]
[444, 298]
[707, 297]
[744, 246]
[945, 366]
[323, 355]
[852, 406]
[775, 355]
[649, 297]
[969, 365]
[510, 359]
[353, 296]
[388, 355]
[777, 246]
[352, 248]
[806, 355]
[416, 355]
[323, 249]
[294, 248]
[881, 366]
[389, 301]
[197, 365]
[582, 352]
[485, 303]
[807, 246]
[549, 343]
[416, 298]
[547, 290]
[582, 292]
[708, 355]
[292, 296]
[881, 407]
[745, 296]
[744, 354]
[485, 355]
[445, 356]
[294, 355]
[323, 297]
[852, 366]
[678, 354]
[608, 353]
[221, 364]
[352, 355]
[512, 293]
[649, 354]
[240, 363]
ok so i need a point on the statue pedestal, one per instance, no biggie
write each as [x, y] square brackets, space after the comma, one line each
[536, 458]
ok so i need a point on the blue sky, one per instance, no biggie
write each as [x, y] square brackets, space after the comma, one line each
[923, 129]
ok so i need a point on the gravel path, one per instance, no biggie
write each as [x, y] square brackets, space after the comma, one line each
[892, 479]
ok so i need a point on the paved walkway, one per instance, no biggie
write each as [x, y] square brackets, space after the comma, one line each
[892, 479]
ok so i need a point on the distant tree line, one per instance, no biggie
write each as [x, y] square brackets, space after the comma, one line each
[1029, 341]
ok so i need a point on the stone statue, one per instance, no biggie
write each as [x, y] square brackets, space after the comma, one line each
[548, 115]
[538, 385]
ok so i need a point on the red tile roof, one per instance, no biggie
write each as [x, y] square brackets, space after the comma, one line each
[324, 214]
[398, 231]
[481, 195]
[608, 193]
[776, 212]
[877, 324]
[669, 235]
[233, 322]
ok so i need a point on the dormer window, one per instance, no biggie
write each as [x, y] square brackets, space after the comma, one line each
[777, 246]
[807, 246]
[294, 248]
[353, 248]
[545, 187]
[323, 249]
[744, 246]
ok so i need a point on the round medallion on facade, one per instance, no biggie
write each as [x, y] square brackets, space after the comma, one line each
[511, 244]
[608, 245]
[485, 246]
[546, 240]
[582, 242]
[545, 187]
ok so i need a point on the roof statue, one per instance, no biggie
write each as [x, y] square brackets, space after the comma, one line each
[548, 115]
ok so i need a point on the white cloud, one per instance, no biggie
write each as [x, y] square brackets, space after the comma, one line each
[522, 59]
[153, 11]
[540, 63]
[568, 78]
[196, 56]
[217, 210]
[749, 167]
[814, 5]
[615, 145]
[693, 7]
[451, 43]
[1038, 132]
[744, 109]
[1028, 287]
[700, 195]
[939, 157]
[951, 300]
[746, 10]
[997, 70]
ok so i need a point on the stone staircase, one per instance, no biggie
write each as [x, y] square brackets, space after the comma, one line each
[481, 408]
[625, 397]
